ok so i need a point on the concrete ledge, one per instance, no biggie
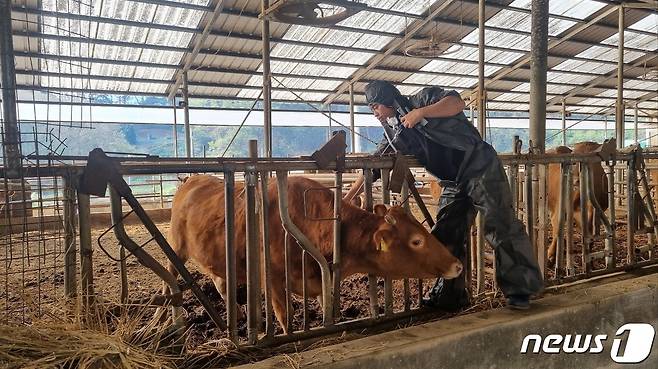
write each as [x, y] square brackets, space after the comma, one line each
[493, 339]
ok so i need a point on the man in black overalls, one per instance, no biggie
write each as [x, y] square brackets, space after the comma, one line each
[431, 126]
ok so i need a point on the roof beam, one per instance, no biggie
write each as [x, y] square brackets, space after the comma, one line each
[526, 59]
[415, 28]
[197, 41]
[638, 63]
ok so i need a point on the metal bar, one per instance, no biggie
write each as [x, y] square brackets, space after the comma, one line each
[528, 203]
[186, 110]
[305, 323]
[482, 126]
[267, 257]
[288, 269]
[404, 193]
[631, 216]
[70, 267]
[11, 138]
[86, 250]
[267, 81]
[612, 214]
[570, 268]
[584, 228]
[231, 277]
[563, 207]
[543, 218]
[372, 279]
[564, 122]
[337, 262]
[306, 244]
[175, 129]
[388, 282]
[635, 133]
[619, 116]
[253, 251]
[353, 128]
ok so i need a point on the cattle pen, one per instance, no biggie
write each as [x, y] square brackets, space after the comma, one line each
[109, 107]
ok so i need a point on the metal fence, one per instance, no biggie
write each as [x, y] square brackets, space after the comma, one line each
[622, 237]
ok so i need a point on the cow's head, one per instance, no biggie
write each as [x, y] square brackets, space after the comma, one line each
[405, 249]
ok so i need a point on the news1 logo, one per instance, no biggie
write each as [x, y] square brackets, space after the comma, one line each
[637, 345]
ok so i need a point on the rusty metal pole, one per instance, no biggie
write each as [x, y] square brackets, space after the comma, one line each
[231, 278]
[253, 251]
[267, 257]
[619, 116]
[338, 203]
[267, 81]
[11, 140]
[538, 68]
[635, 133]
[352, 127]
[564, 123]
[372, 279]
[388, 283]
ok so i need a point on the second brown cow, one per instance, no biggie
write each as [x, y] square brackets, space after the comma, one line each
[600, 186]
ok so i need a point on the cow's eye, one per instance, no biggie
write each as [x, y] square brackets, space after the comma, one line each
[418, 242]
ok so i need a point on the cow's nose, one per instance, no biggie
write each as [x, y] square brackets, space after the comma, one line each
[455, 270]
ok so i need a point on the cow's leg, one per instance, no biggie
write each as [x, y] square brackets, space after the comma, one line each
[550, 254]
[279, 305]
[220, 285]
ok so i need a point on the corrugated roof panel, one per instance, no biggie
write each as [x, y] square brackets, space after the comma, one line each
[112, 70]
[500, 39]
[584, 66]
[627, 94]
[559, 77]
[324, 85]
[168, 38]
[290, 51]
[374, 42]
[634, 40]
[648, 85]
[506, 106]
[604, 53]
[521, 21]
[556, 89]
[248, 93]
[162, 57]
[648, 23]
[576, 9]
[510, 96]
[156, 88]
[115, 32]
[111, 52]
[458, 68]
[354, 57]
[312, 96]
[154, 73]
[592, 101]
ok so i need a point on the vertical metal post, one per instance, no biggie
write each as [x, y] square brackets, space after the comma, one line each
[538, 68]
[388, 283]
[631, 216]
[372, 279]
[565, 168]
[481, 88]
[267, 257]
[231, 278]
[11, 133]
[407, 303]
[619, 117]
[605, 126]
[338, 202]
[514, 176]
[584, 228]
[610, 176]
[543, 218]
[70, 268]
[175, 130]
[86, 264]
[186, 110]
[253, 251]
[352, 127]
[528, 203]
[569, 209]
[564, 122]
[267, 81]
[635, 133]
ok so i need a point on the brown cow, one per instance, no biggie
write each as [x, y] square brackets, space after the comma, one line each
[387, 243]
[554, 188]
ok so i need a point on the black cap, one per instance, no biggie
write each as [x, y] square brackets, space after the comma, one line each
[381, 92]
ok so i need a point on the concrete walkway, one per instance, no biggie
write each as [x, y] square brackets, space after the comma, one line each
[493, 339]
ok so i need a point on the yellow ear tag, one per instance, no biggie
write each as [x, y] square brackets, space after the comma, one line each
[383, 245]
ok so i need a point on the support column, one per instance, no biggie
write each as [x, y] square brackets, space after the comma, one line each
[352, 128]
[11, 133]
[175, 130]
[538, 67]
[564, 123]
[186, 107]
[619, 116]
[267, 82]
[635, 124]
[481, 89]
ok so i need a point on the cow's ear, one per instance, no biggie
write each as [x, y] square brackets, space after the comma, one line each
[383, 239]
[380, 209]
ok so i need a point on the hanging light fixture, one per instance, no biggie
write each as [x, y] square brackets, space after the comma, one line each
[437, 43]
